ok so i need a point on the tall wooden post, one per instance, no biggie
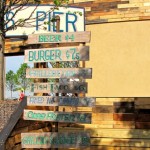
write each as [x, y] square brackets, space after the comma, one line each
[2, 69]
[57, 66]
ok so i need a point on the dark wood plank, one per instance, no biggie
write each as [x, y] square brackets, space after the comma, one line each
[143, 111]
[143, 117]
[142, 125]
[123, 117]
[121, 109]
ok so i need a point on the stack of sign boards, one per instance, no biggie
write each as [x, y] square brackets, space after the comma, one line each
[58, 54]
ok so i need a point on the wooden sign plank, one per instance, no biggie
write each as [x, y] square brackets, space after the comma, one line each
[55, 140]
[85, 73]
[80, 53]
[53, 87]
[62, 37]
[57, 116]
[60, 101]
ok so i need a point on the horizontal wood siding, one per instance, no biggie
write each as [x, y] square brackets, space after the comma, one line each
[109, 129]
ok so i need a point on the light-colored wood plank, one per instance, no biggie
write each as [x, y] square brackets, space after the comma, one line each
[97, 117]
[121, 142]
[55, 140]
[80, 53]
[85, 73]
[57, 116]
[63, 37]
[60, 101]
[112, 133]
[52, 87]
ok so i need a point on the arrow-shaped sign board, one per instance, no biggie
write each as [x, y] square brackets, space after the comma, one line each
[84, 73]
[53, 87]
[67, 117]
[61, 37]
[60, 101]
[80, 53]
[55, 140]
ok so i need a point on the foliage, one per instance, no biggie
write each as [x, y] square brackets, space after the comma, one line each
[18, 5]
[11, 81]
[22, 81]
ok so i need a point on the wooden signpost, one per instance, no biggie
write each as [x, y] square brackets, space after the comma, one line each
[85, 73]
[57, 116]
[60, 101]
[69, 87]
[61, 37]
[55, 140]
[58, 54]
[80, 53]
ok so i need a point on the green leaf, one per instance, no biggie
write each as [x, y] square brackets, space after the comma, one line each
[57, 2]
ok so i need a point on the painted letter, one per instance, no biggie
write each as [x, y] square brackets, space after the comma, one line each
[38, 14]
[71, 21]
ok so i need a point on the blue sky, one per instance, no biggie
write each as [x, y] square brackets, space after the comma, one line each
[13, 63]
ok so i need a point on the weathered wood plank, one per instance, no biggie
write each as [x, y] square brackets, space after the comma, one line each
[53, 87]
[57, 116]
[55, 140]
[62, 37]
[142, 103]
[102, 124]
[80, 53]
[10, 142]
[98, 117]
[124, 124]
[85, 73]
[112, 133]
[75, 109]
[60, 101]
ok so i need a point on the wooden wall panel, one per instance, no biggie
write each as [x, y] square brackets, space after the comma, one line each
[117, 124]
[108, 130]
